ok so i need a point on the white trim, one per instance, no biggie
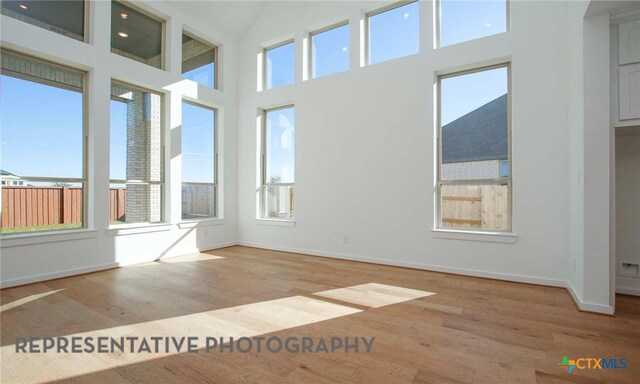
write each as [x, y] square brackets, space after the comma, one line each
[628, 291]
[130, 229]
[276, 222]
[494, 237]
[427, 267]
[56, 275]
[200, 223]
[625, 15]
[17, 240]
[101, 267]
[586, 306]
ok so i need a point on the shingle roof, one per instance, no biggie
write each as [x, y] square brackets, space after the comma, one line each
[481, 134]
[5, 173]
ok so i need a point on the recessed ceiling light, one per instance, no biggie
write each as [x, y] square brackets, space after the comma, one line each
[23, 6]
[124, 15]
[123, 34]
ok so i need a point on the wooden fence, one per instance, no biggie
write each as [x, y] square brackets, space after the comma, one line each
[475, 206]
[33, 206]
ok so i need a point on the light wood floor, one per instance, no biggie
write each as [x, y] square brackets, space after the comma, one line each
[429, 327]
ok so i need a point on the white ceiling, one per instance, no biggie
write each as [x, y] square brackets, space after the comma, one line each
[230, 17]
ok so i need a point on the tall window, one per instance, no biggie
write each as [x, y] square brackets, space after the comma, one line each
[462, 21]
[278, 163]
[279, 66]
[198, 61]
[64, 17]
[199, 162]
[330, 51]
[136, 35]
[43, 174]
[474, 173]
[136, 170]
[393, 33]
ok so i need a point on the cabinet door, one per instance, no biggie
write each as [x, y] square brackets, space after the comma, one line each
[629, 42]
[629, 91]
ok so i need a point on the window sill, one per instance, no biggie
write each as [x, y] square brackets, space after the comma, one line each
[492, 237]
[131, 229]
[20, 239]
[200, 223]
[276, 222]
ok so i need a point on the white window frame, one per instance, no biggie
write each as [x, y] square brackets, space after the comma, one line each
[440, 182]
[438, 24]
[84, 181]
[216, 56]
[163, 180]
[216, 212]
[263, 166]
[312, 52]
[367, 27]
[265, 60]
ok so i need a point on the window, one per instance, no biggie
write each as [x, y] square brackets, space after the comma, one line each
[278, 161]
[330, 51]
[199, 162]
[136, 151]
[474, 180]
[393, 33]
[198, 61]
[63, 17]
[462, 21]
[135, 35]
[279, 65]
[43, 155]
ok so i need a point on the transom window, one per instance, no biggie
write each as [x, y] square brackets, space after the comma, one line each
[393, 32]
[462, 21]
[330, 51]
[279, 65]
[64, 17]
[198, 61]
[136, 35]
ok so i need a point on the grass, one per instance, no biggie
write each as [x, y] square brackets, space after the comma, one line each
[34, 228]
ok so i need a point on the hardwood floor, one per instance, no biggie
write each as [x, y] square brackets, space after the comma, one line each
[429, 327]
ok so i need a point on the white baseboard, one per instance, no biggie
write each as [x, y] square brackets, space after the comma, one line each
[96, 268]
[628, 291]
[586, 306]
[427, 267]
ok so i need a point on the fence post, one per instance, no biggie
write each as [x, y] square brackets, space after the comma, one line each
[63, 205]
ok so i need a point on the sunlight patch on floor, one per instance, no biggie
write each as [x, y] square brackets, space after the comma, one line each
[28, 299]
[374, 295]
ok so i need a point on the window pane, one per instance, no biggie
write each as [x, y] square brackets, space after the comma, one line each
[136, 150]
[280, 66]
[467, 20]
[280, 145]
[475, 206]
[330, 51]
[198, 146]
[475, 125]
[63, 17]
[42, 123]
[29, 206]
[198, 61]
[394, 33]
[135, 35]
[135, 203]
[278, 201]
[198, 201]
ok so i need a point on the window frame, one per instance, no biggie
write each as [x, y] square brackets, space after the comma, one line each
[216, 56]
[263, 165]
[438, 24]
[216, 214]
[84, 181]
[367, 28]
[163, 37]
[163, 152]
[265, 60]
[311, 51]
[497, 181]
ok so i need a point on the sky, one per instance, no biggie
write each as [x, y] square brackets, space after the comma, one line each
[203, 75]
[280, 140]
[47, 140]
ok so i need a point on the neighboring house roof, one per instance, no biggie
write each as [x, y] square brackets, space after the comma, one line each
[481, 134]
[5, 173]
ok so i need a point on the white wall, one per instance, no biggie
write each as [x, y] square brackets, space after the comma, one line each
[27, 258]
[628, 208]
[369, 133]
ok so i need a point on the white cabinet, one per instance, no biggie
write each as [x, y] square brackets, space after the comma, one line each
[629, 42]
[629, 87]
